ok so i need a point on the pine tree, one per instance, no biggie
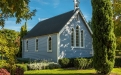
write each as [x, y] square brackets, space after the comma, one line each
[104, 42]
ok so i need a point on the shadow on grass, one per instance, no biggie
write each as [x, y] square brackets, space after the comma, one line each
[64, 74]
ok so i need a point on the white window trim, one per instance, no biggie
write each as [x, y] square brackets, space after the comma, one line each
[35, 45]
[26, 49]
[48, 44]
[83, 39]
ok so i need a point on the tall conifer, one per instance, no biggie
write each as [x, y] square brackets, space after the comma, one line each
[23, 32]
[104, 43]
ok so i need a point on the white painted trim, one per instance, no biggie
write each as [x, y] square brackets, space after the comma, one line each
[48, 44]
[77, 12]
[85, 22]
[68, 22]
[35, 44]
[58, 46]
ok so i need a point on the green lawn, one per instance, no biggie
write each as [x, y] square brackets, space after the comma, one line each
[68, 72]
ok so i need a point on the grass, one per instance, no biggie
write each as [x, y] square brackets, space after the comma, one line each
[117, 71]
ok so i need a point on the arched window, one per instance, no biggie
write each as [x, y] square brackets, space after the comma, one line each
[77, 36]
[82, 38]
[72, 37]
[36, 44]
[49, 44]
[27, 45]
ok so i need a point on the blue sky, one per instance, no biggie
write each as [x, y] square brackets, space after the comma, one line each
[49, 8]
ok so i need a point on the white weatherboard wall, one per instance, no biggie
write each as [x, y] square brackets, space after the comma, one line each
[65, 41]
[42, 53]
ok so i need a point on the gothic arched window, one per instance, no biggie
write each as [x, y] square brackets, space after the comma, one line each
[77, 36]
[49, 44]
[72, 37]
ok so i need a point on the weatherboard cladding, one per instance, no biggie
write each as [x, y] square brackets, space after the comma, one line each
[50, 26]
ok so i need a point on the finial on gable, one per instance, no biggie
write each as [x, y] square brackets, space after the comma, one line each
[76, 5]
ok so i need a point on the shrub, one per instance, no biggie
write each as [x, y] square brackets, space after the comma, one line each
[35, 66]
[71, 62]
[82, 63]
[4, 72]
[53, 66]
[117, 62]
[23, 60]
[43, 65]
[2, 63]
[22, 66]
[19, 71]
[64, 62]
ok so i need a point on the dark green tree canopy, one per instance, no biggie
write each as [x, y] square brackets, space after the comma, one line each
[18, 9]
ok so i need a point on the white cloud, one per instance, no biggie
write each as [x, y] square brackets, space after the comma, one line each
[87, 17]
[41, 19]
[56, 3]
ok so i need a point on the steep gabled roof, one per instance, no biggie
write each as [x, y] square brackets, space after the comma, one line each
[50, 26]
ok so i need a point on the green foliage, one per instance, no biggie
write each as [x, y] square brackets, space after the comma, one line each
[19, 71]
[9, 48]
[90, 24]
[71, 62]
[104, 42]
[2, 63]
[15, 9]
[23, 60]
[22, 66]
[64, 62]
[118, 53]
[118, 62]
[23, 32]
[82, 63]
[117, 22]
[53, 66]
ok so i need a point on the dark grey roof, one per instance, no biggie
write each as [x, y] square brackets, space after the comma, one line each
[50, 26]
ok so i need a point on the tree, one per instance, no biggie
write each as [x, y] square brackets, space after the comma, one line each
[18, 9]
[104, 43]
[9, 48]
[90, 24]
[23, 32]
[117, 21]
